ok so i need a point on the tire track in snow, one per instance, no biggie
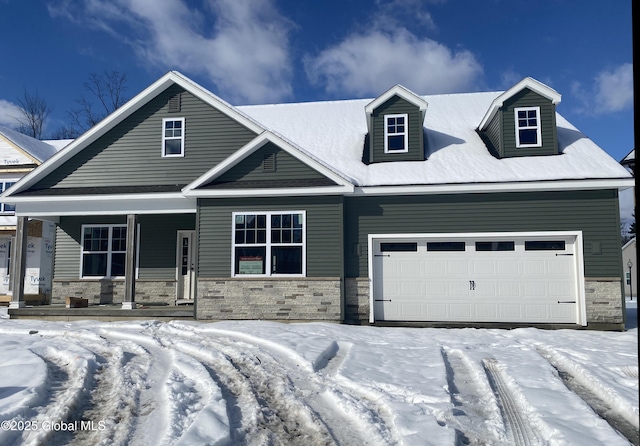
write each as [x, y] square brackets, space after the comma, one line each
[68, 380]
[150, 368]
[521, 433]
[471, 415]
[328, 409]
[604, 401]
[286, 418]
[114, 399]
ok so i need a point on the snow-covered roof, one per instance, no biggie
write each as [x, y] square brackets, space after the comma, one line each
[39, 150]
[334, 133]
[58, 144]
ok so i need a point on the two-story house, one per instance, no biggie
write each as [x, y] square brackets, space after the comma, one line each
[474, 208]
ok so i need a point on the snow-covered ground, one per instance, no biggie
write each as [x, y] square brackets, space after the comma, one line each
[265, 383]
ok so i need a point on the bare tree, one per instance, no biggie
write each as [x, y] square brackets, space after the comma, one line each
[104, 93]
[34, 112]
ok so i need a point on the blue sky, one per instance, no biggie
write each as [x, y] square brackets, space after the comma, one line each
[260, 51]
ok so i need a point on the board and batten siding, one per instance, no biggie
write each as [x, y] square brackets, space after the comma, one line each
[287, 167]
[397, 105]
[158, 236]
[130, 154]
[324, 232]
[528, 98]
[595, 213]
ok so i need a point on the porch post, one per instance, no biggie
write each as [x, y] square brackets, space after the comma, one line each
[130, 264]
[19, 263]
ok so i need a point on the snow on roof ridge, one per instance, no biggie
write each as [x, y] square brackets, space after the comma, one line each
[39, 150]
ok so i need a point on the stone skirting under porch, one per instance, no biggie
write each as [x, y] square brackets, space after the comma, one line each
[106, 291]
[290, 299]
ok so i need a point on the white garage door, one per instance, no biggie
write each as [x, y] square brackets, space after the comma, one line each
[496, 278]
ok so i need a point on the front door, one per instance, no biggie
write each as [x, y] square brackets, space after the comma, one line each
[185, 266]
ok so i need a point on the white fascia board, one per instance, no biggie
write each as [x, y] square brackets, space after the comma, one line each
[106, 205]
[254, 145]
[80, 143]
[274, 192]
[528, 82]
[474, 235]
[470, 188]
[396, 90]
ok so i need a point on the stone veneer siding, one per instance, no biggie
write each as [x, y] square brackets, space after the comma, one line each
[357, 301]
[308, 299]
[112, 291]
[603, 301]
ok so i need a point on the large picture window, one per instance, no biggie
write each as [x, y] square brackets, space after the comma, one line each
[269, 243]
[104, 250]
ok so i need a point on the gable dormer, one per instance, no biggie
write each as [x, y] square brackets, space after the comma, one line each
[395, 123]
[522, 121]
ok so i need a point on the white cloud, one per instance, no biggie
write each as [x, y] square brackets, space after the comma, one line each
[244, 50]
[9, 113]
[610, 92]
[371, 62]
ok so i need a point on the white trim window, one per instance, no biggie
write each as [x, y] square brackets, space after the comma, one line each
[528, 128]
[104, 251]
[396, 135]
[172, 137]
[269, 244]
[6, 208]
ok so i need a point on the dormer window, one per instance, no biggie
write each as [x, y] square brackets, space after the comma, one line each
[396, 137]
[528, 133]
[173, 137]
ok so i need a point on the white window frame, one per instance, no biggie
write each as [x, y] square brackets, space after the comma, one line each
[172, 138]
[268, 244]
[537, 127]
[387, 134]
[109, 252]
[4, 187]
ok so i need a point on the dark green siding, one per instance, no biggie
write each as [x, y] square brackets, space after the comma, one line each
[494, 134]
[527, 98]
[324, 232]
[158, 235]
[131, 154]
[593, 212]
[158, 238]
[287, 167]
[397, 105]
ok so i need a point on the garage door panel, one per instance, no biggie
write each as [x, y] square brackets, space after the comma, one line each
[487, 312]
[460, 311]
[508, 268]
[487, 267]
[533, 267]
[433, 268]
[499, 282]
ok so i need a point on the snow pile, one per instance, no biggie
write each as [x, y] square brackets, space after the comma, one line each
[254, 382]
